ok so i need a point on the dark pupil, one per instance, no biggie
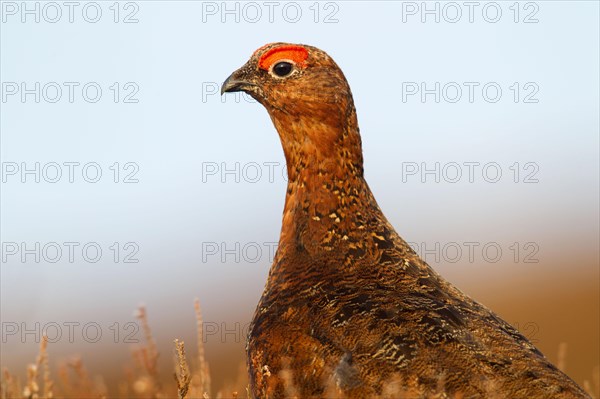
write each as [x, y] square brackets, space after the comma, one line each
[282, 68]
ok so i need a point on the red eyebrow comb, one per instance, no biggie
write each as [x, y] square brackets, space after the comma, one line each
[297, 54]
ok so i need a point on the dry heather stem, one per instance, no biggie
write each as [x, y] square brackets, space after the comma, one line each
[182, 378]
[32, 388]
[202, 375]
[84, 386]
[593, 388]
[149, 354]
[561, 361]
[42, 361]
[10, 386]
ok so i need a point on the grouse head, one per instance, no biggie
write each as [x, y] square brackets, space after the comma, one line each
[309, 101]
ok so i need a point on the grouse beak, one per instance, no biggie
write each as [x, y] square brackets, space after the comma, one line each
[234, 83]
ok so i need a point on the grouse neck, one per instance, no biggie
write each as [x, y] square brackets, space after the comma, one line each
[327, 201]
[319, 138]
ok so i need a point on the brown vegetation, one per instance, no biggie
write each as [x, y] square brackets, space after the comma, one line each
[143, 379]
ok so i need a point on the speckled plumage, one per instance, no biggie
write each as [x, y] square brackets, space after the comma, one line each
[349, 309]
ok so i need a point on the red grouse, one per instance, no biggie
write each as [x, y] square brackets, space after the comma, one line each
[349, 309]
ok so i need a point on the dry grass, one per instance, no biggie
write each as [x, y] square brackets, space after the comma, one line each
[76, 382]
[143, 379]
[593, 387]
[11, 386]
[200, 379]
[148, 382]
[182, 375]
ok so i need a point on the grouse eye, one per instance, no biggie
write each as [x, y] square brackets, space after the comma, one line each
[282, 69]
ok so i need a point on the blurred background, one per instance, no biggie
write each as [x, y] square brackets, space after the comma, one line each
[128, 179]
